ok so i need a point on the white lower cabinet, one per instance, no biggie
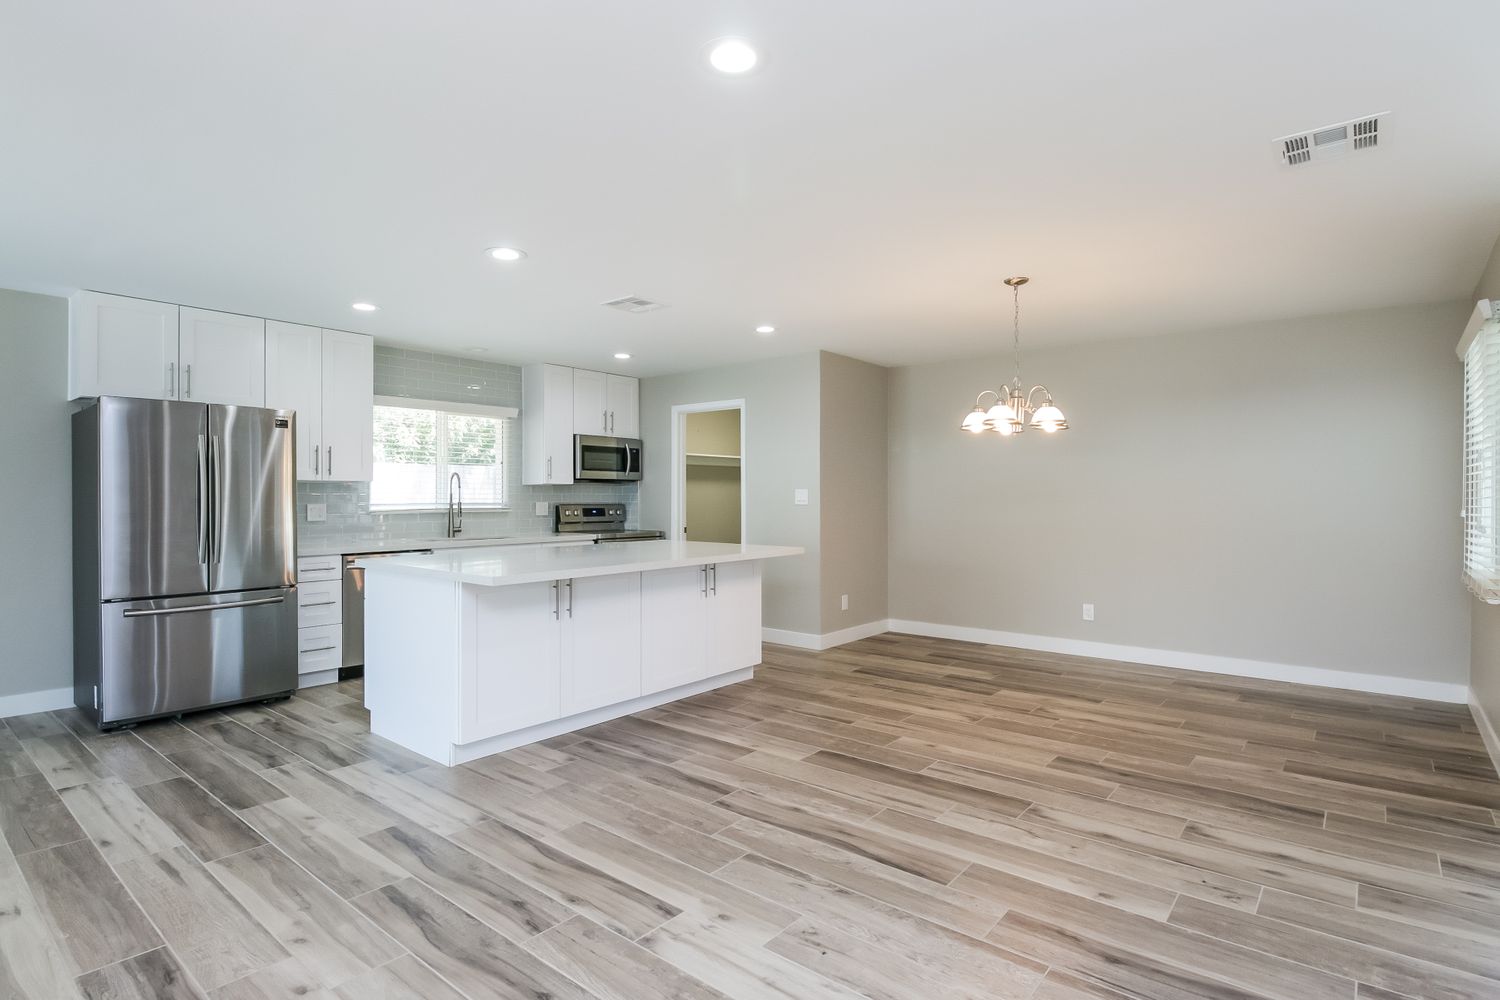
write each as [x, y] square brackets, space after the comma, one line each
[320, 648]
[537, 652]
[320, 616]
[512, 659]
[698, 622]
[601, 653]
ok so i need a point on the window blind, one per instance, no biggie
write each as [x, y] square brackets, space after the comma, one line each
[1481, 510]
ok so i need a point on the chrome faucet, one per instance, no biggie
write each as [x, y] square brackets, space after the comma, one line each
[455, 512]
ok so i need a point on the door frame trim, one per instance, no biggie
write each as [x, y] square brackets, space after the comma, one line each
[679, 463]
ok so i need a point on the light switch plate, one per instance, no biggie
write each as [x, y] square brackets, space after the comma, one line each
[1088, 612]
[541, 508]
[799, 497]
[317, 512]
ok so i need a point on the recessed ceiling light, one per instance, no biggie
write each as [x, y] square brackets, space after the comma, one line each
[364, 307]
[622, 356]
[506, 254]
[764, 329]
[732, 56]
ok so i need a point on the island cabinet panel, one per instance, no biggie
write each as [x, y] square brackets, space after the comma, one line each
[733, 616]
[674, 628]
[512, 671]
[601, 647]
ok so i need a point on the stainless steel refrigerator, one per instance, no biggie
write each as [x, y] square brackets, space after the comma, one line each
[184, 548]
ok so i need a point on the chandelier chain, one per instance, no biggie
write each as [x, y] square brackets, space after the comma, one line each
[1016, 330]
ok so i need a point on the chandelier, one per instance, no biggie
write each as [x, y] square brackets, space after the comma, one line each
[1015, 407]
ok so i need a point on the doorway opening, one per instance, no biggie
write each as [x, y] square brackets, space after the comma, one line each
[708, 483]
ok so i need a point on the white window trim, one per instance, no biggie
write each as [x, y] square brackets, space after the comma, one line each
[445, 406]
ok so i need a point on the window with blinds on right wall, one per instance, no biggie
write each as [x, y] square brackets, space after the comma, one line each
[1480, 350]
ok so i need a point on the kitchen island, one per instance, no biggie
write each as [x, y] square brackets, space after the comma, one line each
[469, 652]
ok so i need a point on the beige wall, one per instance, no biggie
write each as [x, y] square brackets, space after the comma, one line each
[1484, 642]
[36, 528]
[781, 455]
[714, 432]
[853, 510]
[1284, 492]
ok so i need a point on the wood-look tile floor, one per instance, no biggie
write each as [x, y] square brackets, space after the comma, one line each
[899, 818]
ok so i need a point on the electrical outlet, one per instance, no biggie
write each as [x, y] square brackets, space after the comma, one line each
[1088, 612]
[844, 602]
[541, 508]
[799, 497]
[317, 512]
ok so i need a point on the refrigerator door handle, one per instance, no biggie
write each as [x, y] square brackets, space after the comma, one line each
[203, 500]
[150, 612]
[215, 461]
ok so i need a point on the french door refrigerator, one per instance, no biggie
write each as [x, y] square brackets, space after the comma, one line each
[184, 547]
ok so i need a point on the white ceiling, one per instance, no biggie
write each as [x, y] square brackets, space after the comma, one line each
[864, 190]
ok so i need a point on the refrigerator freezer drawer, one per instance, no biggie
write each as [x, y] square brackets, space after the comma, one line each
[177, 654]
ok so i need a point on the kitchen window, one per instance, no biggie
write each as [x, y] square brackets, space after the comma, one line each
[1480, 349]
[420, 443]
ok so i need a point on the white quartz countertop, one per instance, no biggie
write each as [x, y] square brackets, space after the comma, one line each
[497, 566]
[333, 546]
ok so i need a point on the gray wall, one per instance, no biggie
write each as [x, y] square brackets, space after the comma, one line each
[36, 571]
[853, 511]
[423, 375]
[781, 455]
[1284, 492]
[1484, 655]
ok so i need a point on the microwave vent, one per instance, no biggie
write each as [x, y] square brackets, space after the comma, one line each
[635, 304]
[1332, 141]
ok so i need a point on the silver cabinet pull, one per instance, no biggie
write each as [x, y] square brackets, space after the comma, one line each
[714, 568]
[151, 612]
[704, 571]
[317, 649]
[317, 461]
[549, 468]
[611, 421]
[570, 598]
[171, 380]
[604, 421]
[330, 461]
[187, 382]
[556, 602]
[318, 604]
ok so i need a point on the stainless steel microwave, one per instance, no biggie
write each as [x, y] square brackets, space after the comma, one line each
[605, 458]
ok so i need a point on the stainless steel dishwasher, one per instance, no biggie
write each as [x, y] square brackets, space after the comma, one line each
[354, 605]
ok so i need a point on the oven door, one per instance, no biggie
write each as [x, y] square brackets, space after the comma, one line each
[606, 458]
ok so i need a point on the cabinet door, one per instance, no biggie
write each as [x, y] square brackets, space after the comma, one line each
[601, 641]
[623, 395]
[512, 660]
[733, 616]
[119, 346]
[348, 406]
[222, 358]
[294, 381]
[558, 430]
[590, 402]
[674, 628]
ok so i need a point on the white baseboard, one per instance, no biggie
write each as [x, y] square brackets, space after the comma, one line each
[1205, 662]
[36, 701]
[1486, 730]
[809, 640]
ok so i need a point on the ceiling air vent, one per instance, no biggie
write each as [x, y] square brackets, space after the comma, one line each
[635, 304]
[1332, 141]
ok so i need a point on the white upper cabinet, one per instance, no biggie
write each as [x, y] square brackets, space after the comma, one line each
[622, 399]
[119, 346]
[294, 381]
[547, 425]
[348, 406]
[221, 358]
[590, 402]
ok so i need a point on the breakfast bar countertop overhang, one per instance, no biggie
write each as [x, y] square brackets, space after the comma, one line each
[470, 652]
[503, 566]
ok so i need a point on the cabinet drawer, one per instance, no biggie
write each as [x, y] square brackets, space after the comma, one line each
[313, 568]
[319, 648]
[320, 603]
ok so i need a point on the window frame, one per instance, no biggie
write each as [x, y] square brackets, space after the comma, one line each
[443, 408]
[1480, 557]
